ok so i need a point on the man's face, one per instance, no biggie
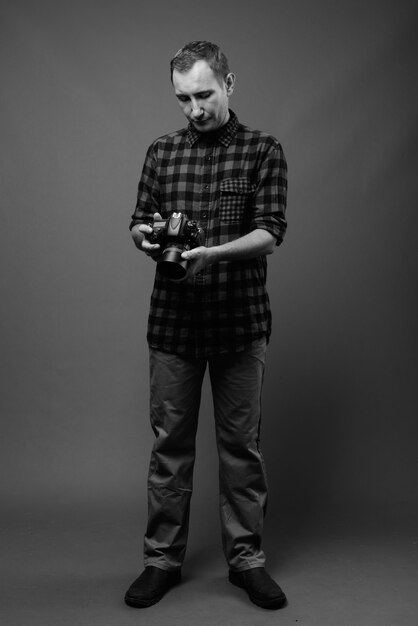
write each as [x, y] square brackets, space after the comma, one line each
[203, 99]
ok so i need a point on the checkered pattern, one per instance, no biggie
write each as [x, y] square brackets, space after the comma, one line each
[232, 182]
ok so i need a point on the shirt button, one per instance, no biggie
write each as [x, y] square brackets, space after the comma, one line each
[204, 214]
[206, 187]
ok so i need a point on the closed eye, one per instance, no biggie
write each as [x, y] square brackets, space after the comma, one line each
[204, 95]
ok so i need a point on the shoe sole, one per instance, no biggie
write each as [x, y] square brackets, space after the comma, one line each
[264, 604]
[137, 604]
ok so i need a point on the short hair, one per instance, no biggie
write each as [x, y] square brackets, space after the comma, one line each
[187, 56]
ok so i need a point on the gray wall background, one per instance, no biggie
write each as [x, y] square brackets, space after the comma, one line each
[84, 89]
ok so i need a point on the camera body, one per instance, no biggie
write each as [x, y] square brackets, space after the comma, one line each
[175, 235]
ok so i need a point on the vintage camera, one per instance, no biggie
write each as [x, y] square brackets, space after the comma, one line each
[175, 235]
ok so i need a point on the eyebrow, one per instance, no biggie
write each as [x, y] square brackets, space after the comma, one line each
[198, 93]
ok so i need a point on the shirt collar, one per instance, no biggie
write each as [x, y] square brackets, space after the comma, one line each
[224, 135]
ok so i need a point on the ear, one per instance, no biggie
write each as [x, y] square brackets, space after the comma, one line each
[229, 83]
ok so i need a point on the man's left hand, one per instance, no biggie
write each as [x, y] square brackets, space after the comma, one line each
[198, 259]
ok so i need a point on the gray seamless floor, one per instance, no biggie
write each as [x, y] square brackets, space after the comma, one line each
[73, 569]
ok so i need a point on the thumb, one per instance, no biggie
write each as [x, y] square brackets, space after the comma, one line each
[157, 216]
[194, 253]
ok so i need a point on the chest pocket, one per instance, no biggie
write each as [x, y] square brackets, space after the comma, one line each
[235, 199]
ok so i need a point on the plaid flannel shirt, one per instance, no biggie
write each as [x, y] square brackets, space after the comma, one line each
[231, 182]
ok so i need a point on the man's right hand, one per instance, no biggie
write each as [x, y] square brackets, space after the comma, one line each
[139, 234]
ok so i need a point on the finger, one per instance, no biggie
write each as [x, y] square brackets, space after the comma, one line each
[144, 228]
[192, 255]
[150, 247]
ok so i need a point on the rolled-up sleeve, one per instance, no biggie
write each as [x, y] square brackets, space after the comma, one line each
[270, 197]
[148, 196]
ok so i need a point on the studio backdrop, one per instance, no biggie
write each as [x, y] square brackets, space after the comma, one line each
[85, 88]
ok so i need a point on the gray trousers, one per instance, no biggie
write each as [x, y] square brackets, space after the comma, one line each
[236, 381]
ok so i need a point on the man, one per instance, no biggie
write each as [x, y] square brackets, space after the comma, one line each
[232, 181]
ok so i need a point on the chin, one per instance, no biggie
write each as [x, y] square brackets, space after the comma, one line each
[206, 128]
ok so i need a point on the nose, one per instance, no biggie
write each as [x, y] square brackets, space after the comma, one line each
[197, 112]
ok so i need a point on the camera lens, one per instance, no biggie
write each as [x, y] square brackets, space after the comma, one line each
[170, 263]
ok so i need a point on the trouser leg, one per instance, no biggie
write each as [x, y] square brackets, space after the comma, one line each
[174, 407]
[236, 386]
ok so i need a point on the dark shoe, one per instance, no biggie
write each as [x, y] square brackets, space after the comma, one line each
[149, 588]
[261, 588]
